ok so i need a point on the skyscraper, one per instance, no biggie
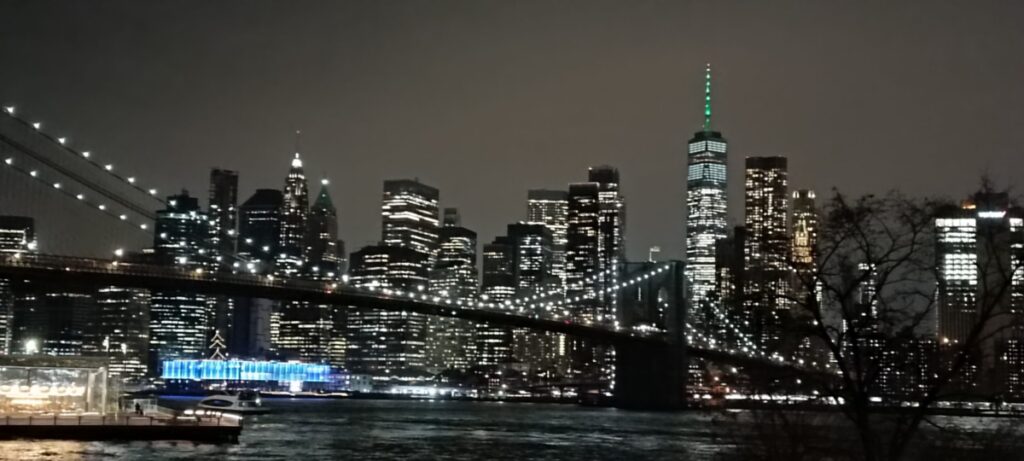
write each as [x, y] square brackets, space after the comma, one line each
[706, 207]
[980, 250]
[409, 211]
[766, 249]
[304, 329]
[532, 262]
[291, 254]
[582, 250]
[259, 228]
[611, 242]
[391, 345]
[50, 319]
[451, 342]
[551, 208]
[804, 238]
[384, 344]
[494, 343]
[17, 235]
[322, 245]
[178, 319]
[223, 213]
[123, 328]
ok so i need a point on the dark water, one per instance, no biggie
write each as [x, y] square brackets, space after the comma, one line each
[310, 429]
[303, 430]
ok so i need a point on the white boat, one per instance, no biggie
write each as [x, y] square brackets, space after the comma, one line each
[243, 403]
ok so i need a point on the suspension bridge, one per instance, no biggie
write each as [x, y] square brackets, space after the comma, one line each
[83, 205]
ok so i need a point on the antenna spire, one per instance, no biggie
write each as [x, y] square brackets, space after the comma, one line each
[707, 98]
[298, 140]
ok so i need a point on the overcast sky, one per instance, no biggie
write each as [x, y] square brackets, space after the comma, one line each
[487, 99]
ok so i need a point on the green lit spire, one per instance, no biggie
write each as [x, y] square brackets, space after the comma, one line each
[707, 98]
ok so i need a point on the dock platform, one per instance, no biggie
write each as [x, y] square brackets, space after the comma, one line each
[207, 428]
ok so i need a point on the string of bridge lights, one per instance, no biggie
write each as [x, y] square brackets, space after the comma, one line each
[483, 304]
[128, 180]
[555, 291]
[78, 196]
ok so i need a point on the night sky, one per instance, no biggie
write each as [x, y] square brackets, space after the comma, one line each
[486, 99]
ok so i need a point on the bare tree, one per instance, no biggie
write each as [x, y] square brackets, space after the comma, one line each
[870, 300]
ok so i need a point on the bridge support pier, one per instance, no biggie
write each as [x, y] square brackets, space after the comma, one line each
[650, 377]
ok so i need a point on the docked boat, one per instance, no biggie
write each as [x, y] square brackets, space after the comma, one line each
[243, 403]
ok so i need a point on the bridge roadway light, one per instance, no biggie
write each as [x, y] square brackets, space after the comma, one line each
[9, 160]
[119, 252]
[9, 110]
[85, 154]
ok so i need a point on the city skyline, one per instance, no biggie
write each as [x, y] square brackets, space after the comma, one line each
[884, 114]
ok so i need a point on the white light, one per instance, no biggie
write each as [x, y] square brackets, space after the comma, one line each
[37, 125]
[119, 252]
[56, 185]
[62, 140]
[152, 192]
[109, 167]
[9, 110]
[80, 197]
[85, 154]
[325, 181]
[9, 160]
[102, 207]
[33, 173]
[131, 180]
[123, 217]
[143, 226]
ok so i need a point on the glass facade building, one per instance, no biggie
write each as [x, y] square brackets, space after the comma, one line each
[706, 208]
[766, 249]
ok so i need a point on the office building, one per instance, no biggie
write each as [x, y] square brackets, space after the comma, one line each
[706, 207]
[766, 249]
[180, 320]
[387, 345]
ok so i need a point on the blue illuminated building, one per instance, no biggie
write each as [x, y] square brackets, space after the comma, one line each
[245, 370]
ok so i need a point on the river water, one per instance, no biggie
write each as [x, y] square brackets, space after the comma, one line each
[312, 429]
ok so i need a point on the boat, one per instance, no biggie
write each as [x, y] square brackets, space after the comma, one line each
[242, 403]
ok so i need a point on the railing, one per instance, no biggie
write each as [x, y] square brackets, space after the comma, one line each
[119, 420]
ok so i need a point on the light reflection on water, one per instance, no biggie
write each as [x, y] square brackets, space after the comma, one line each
[378, 430]
[339, 429]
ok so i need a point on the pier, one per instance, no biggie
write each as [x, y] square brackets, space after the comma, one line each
[205, 428]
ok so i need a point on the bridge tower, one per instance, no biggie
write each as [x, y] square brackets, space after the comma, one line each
[652, 376]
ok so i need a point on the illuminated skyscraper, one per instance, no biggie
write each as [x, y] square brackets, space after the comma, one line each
[582, 251]
[766, 249]
[259, 228]
[706, 207]
[179, 320]
[322, 246]
[803, 240]
[551, 208]
[451, 342]
[223, 213]
[410, 217]
[980, 250]
[17, 235]
[611, 228]
[494, 343]
[123, 328]
[387, 345]
[291, 254]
